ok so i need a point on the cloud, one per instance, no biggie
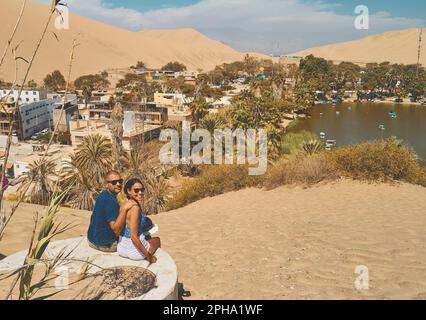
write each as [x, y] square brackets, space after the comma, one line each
[250, 25]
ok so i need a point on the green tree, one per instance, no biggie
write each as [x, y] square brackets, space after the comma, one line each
[95, 81]
[174, 66]
[199, 109]
[55, 81]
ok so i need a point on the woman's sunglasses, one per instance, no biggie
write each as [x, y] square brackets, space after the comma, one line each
[115, 182]
[139, 190]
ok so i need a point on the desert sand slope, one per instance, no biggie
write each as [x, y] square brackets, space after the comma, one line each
[103, 46]
[397, 47]
[289, 243]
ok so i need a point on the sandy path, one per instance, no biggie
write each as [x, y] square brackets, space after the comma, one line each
[293, 243]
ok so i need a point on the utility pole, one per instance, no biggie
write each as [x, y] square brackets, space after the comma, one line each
[419, 51]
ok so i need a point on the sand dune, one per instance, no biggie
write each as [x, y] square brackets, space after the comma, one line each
[397, 47]
[103, 46]
[288, 243]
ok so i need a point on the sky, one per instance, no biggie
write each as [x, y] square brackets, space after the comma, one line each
[268, 26]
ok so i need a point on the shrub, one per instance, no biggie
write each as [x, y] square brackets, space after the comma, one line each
[381, 161]
[293, 142]
[301, 169]
[213, 180]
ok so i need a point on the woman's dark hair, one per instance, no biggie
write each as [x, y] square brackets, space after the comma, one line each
[129, 184]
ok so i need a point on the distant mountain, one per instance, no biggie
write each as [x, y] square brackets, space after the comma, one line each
[103, 46]
[396, 46]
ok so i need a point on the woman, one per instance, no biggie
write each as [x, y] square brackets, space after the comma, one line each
[132, 243]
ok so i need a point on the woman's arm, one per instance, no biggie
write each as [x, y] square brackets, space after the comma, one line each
[134, 222]
[118, 225]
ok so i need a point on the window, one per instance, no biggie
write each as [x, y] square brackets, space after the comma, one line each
[34, 93]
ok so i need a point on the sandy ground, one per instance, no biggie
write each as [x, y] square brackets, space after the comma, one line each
[395, 46]
[289, 243]
[103, 46]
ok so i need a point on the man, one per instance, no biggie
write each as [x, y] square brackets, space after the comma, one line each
[106, 222]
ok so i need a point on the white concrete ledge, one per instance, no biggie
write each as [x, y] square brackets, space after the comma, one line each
[164, 269]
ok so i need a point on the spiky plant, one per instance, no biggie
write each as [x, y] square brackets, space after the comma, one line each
[39, 180]
[313, 147]
[41, 237]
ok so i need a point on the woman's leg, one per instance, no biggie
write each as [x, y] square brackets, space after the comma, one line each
[154, 244]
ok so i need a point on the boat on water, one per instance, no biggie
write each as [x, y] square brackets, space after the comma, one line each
[322, 135]
[382, 127]
[336, 101]
[337, 112]
[330, 144]
[393, 114]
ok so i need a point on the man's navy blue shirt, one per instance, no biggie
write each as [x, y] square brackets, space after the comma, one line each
[106, 210]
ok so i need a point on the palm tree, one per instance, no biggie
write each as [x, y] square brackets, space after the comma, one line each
[82, 189]
[138, 163]
[278, 82]
[213, 121]
[87, 94]
[199, 109]
[93, 156]
[39, 180]
[156, 193]
[256, 88]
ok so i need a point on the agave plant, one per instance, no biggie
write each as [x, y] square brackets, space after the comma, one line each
[41, 237]
[39, 180]
[313, 147]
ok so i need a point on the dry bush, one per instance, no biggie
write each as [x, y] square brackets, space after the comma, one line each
[214, 180]
[380, 161]
[301, 169]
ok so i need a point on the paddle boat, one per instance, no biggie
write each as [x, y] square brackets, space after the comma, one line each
[393, 114]
[338, 113]
[336, 101]
[382, 127]
[330, 144]
[322, 135]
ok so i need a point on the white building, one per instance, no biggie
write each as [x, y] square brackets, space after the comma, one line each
[27, 96]
[37, 116]
[35, 112]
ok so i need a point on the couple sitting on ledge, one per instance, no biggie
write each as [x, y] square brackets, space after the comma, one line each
[122, 228]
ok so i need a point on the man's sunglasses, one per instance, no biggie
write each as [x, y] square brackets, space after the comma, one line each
[139, 190]
[115, 182]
